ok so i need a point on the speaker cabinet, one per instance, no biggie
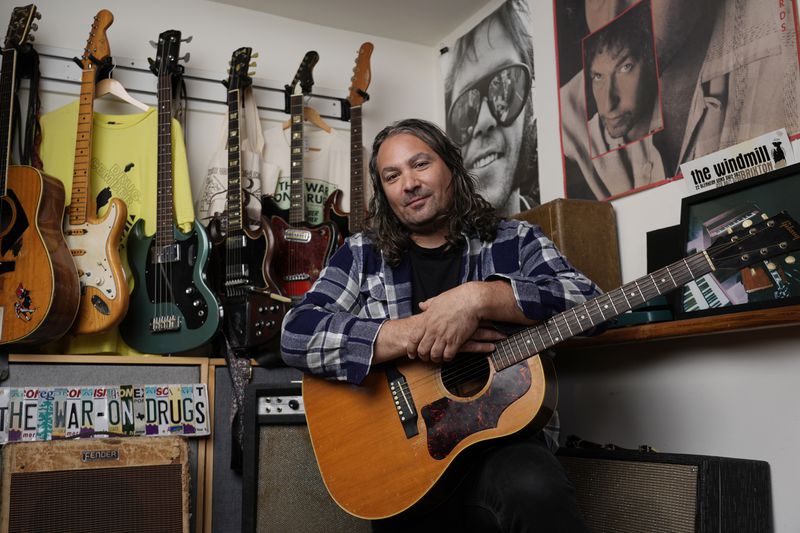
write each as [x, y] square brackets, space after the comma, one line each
[283, 489]
[224, 512]
[630, 492]
[96, 486]
[39, 370]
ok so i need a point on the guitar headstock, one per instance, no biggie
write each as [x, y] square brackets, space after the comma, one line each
[167, 50]
[755, 242]
[303, 80]
[97, 47]
[238, 75]
[21, 25]
[362, 75]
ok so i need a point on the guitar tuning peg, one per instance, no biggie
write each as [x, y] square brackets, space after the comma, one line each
[251, 72]
[185, 58]
[31, 38]
[253, 64]
[254, 55]
[764, 216]
[38, 16]
[34, 27]
[153, 44]
[188, 39]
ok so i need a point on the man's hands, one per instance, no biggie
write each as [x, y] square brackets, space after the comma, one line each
[453, 322]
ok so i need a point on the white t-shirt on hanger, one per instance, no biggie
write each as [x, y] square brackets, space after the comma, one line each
[326, 167]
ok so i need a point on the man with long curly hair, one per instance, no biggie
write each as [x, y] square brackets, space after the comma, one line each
[428, 278]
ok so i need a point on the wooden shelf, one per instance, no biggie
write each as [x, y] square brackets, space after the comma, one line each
[772, 317]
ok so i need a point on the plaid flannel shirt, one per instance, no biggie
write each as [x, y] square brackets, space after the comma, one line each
[332, 331]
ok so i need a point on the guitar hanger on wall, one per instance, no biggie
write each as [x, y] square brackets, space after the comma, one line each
[312, 116]
[115, 88]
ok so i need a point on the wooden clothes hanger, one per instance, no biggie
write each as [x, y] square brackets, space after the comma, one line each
[113, 87]
[310, 115]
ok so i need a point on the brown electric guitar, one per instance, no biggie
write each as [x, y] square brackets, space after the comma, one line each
[94, 241]
[301, 249]
[382, 446]
[353, 222]
[241, 256]
[38, 284]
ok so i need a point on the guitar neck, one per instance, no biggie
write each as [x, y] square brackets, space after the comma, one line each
[234, 205]
[582, 317]
[81, 190]
[7, 88]
[164, 234]
[356, 172]
[297, 209]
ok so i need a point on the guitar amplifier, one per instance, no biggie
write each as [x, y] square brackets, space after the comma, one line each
[96, 486]
[282, 487]
[586, 233]
[625, 491]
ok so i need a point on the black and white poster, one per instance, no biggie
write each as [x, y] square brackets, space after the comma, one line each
[490, 84]
[649, 85]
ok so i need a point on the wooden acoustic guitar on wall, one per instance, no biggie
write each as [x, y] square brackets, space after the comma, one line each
[383, 445]
[353, 222]
[94, 241]
[302, 249]
[172, 307]
[39, 292]
[241, 256]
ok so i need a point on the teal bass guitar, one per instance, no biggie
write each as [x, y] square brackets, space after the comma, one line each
[172, 309]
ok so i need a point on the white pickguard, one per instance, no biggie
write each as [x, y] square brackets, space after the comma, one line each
[87, 243]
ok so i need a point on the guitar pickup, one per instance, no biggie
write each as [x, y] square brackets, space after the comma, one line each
[297, 235]
[170, 253]
[162, 324]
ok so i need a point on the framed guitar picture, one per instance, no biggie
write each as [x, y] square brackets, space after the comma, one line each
[706, 216]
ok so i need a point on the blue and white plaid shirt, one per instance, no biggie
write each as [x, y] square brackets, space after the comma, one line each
[332, 331]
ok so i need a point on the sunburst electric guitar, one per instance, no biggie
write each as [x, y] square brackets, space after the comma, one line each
[172, 307]
[39, 292]
[302, 249]
[353, 222]
[241, 256]
[382, 446]
[94, 241]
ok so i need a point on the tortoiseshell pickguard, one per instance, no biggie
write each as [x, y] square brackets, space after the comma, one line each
[449, 422]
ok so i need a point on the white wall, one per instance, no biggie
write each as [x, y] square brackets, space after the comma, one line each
[403, 74]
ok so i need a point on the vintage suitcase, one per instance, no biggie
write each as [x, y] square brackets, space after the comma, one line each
[586, 233]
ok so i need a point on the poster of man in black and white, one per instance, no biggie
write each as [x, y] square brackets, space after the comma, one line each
[649, 85]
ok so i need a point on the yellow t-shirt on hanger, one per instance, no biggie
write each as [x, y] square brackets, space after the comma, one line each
[124, 165]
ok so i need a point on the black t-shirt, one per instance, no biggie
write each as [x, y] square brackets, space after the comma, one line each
[433, 271]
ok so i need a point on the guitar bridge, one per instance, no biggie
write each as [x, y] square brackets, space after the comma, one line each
[163, 324]
[403, 402]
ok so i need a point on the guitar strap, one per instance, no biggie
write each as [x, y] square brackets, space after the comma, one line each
[31, 137]
[241, 372]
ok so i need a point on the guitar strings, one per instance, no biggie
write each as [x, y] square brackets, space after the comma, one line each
[476, 368]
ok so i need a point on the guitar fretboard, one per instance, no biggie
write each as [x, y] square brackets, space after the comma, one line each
[164, 234]
[234, 199]
[582, 317]
[297, 209]
[79, 203]
[7, 82]
[356, 218]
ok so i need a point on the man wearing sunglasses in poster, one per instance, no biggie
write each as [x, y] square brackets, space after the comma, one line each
[489, 100]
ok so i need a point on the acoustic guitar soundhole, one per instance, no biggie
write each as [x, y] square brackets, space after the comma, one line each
[466, 375]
